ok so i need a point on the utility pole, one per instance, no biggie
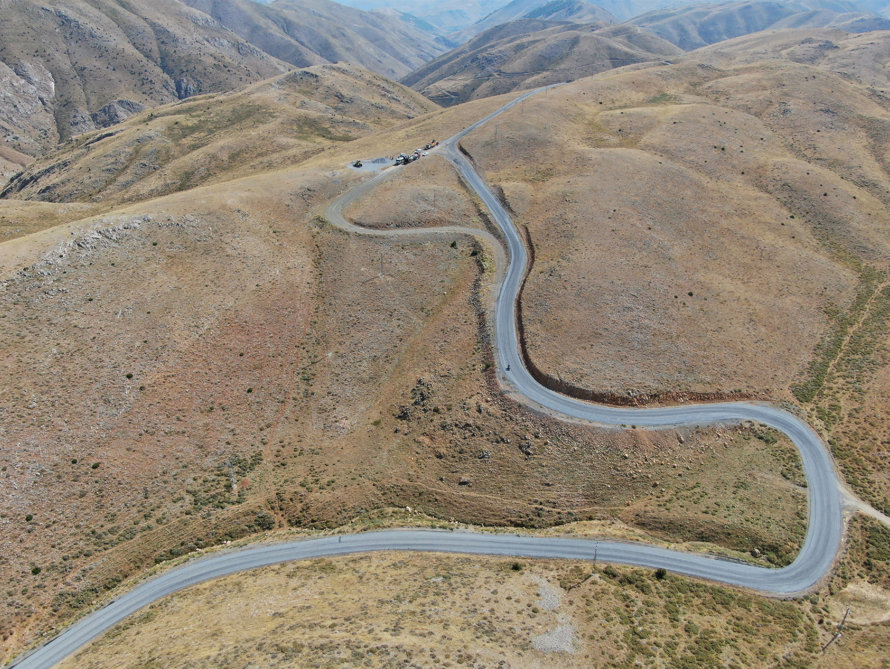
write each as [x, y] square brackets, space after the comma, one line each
[838, 634]
[595, 547]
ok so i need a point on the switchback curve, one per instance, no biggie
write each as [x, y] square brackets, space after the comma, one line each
[814, 561]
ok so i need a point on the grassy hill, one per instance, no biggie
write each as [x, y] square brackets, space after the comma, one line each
[307, 32]
[220, 363]
[674, 208]
[70, 66]
[695, 26]
[213, 138]
[75, 66]
[531, 52]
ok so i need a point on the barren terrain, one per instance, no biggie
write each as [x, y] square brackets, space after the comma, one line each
[531, 54]
[392, 610]
[698, 234]
[430, 194]
[214, 138]
[220, 362]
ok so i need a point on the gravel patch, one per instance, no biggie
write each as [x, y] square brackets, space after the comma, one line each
[549, 598]
[560, 640]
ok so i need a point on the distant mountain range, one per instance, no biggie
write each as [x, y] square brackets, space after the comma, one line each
[578, 11]
[532, 52]
[456, 15]
[530, 43]
[310, 32]
[696, 26]
[71, 66]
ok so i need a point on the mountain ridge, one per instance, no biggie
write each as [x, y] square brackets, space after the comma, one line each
[531, 52]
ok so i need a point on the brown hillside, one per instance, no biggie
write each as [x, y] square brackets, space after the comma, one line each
[577, 11]
[209, 139]
[307, 32]
[74, 66]
[697, 25]
[707, 229]
[533, 55]
[220, 362]
[201, 367]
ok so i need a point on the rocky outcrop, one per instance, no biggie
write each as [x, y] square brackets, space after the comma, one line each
[70, 66]
[116, 112]
[27, 97]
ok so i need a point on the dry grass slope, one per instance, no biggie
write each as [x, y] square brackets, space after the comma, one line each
[391, 610]
[220, 362]
[73, 66]
[533, 55]
[215, 138]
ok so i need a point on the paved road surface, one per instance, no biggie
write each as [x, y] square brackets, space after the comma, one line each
[813, 562]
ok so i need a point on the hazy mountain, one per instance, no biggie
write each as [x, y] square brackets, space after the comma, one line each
[627, 9]
[578, 11]
[306, 32]
[879, 7]
[700, 25]
[70, 66]
[540, 9]
[531, 52]
[448, 15]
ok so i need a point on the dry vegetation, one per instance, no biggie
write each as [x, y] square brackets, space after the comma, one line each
[215, 138]
[74, 66]
[221, 361]
[396, 610]
[527, 54]
[430, 194]
[714, 228]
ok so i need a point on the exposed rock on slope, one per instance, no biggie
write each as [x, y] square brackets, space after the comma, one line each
[68, 60]
[700, 25]
[212, 138]
[26, 96]
[72, 66]
[533, 53]
[309, 32]
[555, 10]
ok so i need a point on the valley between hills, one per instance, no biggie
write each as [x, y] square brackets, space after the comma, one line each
[195, 358]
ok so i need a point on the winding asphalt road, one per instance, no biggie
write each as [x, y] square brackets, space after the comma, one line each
[813, 562]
